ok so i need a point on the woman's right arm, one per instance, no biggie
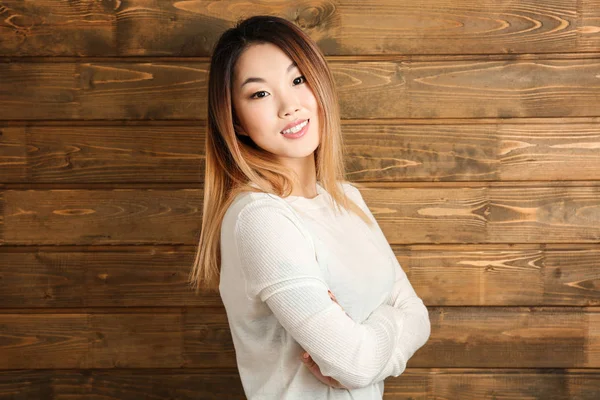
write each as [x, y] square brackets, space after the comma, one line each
[280, 268]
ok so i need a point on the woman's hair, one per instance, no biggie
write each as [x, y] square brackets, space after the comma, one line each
[234, 162]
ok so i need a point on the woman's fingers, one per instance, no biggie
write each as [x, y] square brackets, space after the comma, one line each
[332, 296]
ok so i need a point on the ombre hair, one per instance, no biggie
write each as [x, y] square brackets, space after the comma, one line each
[234, 162]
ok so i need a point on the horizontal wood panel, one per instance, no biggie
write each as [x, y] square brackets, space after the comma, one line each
[414, 383]
[472, 152]
[123, 384]
[101, 217]
[488, 214]
[93, 154]
[492, 384]
[382, 152]
[501, 89]
[339, 27]
[441, 275]
[515, 275]
[370, 89]
[590, 25]
[473, 337]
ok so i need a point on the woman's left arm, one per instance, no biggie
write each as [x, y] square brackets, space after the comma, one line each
[411, 309]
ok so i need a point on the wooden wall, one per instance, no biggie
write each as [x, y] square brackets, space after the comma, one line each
[474, 124]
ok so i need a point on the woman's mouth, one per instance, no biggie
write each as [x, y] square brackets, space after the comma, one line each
[297, 131]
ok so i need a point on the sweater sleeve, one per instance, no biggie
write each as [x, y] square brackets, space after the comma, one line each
[411, 309]
[279, 267]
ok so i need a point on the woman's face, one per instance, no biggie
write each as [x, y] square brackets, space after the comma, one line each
[278, 96]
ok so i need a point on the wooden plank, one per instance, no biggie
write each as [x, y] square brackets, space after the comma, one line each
[431, 215]
[126, 277]
[455, 275]
[385, 152]
[496, 276]
[13, 154]
[501, 151]
[508, 337]
[339, 27]
[92, 340]
[371, 89]
[513, 384]
[461, 27]
[487, 215]
[32, 91]
[465, 337]
[501, 89]
[589, 30]
[123, 216]
[593, 339]
[414, 383]
[51, 28]
[97, 154]
[125, 384]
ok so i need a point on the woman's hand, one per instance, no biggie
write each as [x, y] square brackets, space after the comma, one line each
[314, 368]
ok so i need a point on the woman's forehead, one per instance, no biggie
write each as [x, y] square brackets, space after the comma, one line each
[259, 59]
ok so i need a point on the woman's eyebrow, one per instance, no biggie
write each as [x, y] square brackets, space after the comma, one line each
[254, 79]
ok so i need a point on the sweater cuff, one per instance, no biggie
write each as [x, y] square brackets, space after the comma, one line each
[395, 358]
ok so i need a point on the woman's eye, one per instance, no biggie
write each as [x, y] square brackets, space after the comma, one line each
[257, 94]
[254, 96]
[300, 77]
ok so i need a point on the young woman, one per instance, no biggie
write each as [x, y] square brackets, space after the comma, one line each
[282, 230]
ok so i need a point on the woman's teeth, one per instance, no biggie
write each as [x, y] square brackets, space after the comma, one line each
[296, 128]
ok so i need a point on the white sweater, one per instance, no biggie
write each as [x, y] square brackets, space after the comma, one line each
[279, 257]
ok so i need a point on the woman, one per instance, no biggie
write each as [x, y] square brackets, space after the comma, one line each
[282, 231]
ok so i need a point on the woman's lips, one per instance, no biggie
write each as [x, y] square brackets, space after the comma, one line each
[291, 126]
[298, 134]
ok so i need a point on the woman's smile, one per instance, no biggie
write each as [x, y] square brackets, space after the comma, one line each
[303, 128]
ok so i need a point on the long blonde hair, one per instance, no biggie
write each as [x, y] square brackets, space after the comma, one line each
[233, 161]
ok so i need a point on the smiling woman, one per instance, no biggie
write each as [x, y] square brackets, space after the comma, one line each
[296, 255]
[273, 103]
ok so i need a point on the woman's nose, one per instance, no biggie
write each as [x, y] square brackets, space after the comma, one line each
[289, 106]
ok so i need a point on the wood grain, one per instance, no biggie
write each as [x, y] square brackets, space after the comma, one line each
[98, 154]
[479, 275]
[486, 214]
[473, 124]
[219, 383]
[406, 215]
[130, 384]
[101, 217]
[492, 384]
[589, 29]
[450, 275]
[462, 337]
[372, 27]
[402, 151]
[373, 89]
[503, 89]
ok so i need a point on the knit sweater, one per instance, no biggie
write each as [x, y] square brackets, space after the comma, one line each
[279, 258]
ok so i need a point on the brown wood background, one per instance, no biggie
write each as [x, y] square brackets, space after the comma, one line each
[474, 124]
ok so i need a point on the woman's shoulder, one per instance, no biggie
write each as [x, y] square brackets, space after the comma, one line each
[351, 190]
[247, 202]
[257, 203]
[347, 186]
